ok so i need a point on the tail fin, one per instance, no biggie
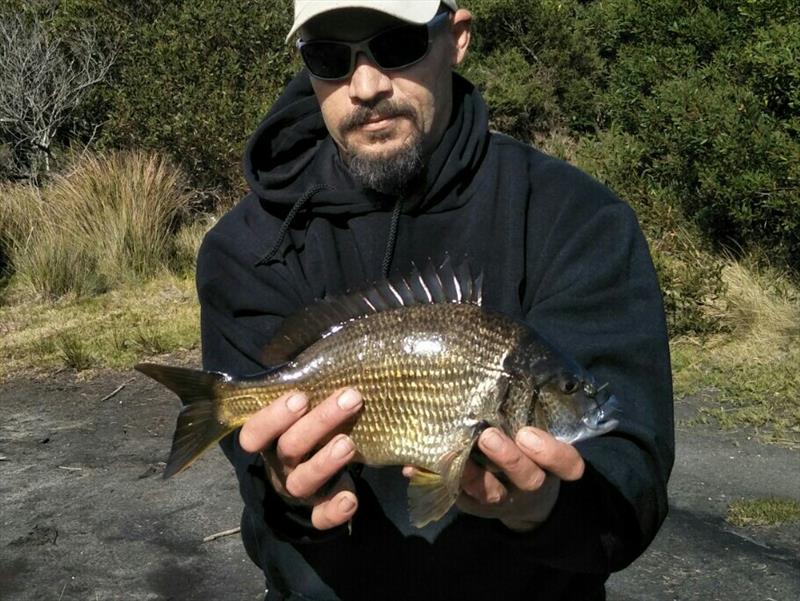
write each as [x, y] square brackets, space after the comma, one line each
[198, 426]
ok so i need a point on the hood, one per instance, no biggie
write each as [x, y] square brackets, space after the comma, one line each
[292, 153]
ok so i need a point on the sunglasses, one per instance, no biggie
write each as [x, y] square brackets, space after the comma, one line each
[391, 50]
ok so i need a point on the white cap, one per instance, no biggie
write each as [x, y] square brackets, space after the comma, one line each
[413, 11]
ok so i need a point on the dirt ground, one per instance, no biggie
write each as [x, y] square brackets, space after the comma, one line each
[86, 516]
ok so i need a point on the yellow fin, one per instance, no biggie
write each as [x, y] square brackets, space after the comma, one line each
[431, 495]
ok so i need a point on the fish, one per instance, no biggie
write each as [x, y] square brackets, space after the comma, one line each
[434, 368]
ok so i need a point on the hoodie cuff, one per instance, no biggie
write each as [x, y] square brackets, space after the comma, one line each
[590, 530]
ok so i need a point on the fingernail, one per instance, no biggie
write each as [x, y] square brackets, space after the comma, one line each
[297, 402]
[494, 498]
[492, 441]
[347, 504]
[349, 399]
[342, 448]
[529, 440]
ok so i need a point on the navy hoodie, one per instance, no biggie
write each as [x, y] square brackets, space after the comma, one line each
[557, 249]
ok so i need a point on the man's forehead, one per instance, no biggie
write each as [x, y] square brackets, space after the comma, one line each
[348, 24]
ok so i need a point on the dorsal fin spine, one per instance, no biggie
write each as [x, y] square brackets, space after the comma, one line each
[430, 285]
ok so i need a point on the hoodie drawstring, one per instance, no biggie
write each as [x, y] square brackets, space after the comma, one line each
[284, 229]
[288, 221]
[390, 242]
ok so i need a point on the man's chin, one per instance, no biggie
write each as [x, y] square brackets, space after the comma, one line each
[390, 166]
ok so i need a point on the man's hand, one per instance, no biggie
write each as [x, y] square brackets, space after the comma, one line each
[532, 467]
[296, 466]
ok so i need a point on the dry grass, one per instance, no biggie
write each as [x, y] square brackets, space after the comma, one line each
[101, 275]
[109, 220]
[753, 367]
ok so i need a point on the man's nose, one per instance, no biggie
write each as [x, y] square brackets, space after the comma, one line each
[368, 82]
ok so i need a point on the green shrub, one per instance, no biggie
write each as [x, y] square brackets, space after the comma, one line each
[711, 91]
[538, 70]
[198, 80]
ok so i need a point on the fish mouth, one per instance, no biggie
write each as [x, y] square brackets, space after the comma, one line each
[597, 421]
[602, 418]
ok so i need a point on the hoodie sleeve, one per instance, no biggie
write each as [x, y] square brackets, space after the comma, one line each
[238, 315]
[593, 290]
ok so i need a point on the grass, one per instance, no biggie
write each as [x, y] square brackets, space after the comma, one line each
[98, 271]
[763, 512]
[109, 220]
[752, 369]
[114, 329]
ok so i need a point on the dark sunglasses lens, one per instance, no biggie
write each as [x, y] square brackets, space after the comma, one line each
[400, 47]
[328, 60]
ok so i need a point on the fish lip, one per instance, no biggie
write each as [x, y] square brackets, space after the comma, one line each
[601, 420]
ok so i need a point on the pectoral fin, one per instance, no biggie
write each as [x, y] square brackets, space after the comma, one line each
[431, 495]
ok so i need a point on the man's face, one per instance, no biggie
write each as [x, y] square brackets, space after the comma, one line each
[376, 115]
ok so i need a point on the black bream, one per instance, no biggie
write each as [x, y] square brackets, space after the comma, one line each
[434, 369]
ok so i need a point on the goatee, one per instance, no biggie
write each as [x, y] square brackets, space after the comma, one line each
[394, 173]
[397, 173]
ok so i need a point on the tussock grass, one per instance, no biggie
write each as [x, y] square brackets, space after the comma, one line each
[114, 329]
[753, 366]
[763, 512]
[110, 220]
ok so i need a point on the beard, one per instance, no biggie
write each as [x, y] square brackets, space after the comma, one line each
[397, 172]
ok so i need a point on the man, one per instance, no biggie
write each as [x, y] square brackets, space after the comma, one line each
[377, 156]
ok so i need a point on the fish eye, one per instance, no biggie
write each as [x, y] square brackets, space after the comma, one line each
[570, 386]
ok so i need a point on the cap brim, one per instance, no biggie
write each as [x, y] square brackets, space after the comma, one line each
[419, 11]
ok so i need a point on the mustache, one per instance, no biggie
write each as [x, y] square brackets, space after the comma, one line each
[383, 109]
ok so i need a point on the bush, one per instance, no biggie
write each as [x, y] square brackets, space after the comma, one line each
[538, 71]
[111, 219]
[198, 80]
[712, 93]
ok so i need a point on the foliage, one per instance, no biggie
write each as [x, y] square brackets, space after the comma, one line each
[710, 89]
[111, 219]
[44, 79]
[695, 104]
[537, 70]
[688, 110]
[197, 81]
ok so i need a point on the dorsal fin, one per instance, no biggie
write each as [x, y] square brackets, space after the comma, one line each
[443, 284]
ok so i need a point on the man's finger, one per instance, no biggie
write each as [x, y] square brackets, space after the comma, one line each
[306, 434]
[337, 508]
[558, 458]
[267, 424]
[481, 485]
[516, 465]
[308, 477]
